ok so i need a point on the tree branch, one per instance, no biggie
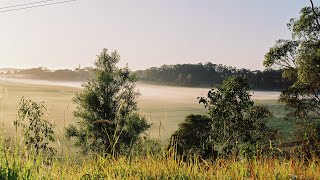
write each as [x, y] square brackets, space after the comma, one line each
[315, 14]
[316, 95]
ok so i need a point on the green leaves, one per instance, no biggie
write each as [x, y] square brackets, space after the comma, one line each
[232, 121]
[193, 137]
[299, 59]
[37, 131]
[283, 55]
[106, 112]
[234, 118]
[305, 27]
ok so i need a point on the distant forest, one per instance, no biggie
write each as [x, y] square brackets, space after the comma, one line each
[43, 73]
[191, 75]
[208, 75]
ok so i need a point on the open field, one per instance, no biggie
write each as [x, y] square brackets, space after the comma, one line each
[165, 107]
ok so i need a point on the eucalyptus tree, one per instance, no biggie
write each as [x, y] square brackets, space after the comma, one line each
[299, 58]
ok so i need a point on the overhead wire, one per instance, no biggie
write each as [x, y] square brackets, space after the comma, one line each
[33, 5]
[26, 4]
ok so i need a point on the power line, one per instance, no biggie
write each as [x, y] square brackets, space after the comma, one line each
[34, 6]
[25, 4]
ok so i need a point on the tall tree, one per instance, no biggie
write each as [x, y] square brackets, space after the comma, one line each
[300, 60]
[107, 109]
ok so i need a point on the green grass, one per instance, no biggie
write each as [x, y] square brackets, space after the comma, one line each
[165, 111]
[278, 121]
[165, 107]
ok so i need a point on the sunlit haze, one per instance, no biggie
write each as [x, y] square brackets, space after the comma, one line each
[145, 33]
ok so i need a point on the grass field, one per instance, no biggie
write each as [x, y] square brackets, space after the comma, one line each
[165, 107]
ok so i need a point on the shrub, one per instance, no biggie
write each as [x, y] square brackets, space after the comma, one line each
[307, 134]
[193, 137]
[233, 122]
[36, 130]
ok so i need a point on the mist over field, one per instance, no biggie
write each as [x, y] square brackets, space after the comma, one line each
[148, 90]
[164, 106]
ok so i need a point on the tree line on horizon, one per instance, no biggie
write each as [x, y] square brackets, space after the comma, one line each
[192, 75]
[209, 74]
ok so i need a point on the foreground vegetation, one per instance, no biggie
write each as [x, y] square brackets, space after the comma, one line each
[17, 163]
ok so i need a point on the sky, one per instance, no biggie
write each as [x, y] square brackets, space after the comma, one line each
[145, 33]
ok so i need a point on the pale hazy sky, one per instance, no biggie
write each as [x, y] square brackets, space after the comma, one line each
[145, 32]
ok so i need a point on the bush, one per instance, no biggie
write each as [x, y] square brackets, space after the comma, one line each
[307, 133]
[36, 130]
[233, 123]
[193, 136]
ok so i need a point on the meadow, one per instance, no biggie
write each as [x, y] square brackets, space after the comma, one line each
[163, 106]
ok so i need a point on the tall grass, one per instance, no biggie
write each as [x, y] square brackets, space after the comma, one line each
[18, 163]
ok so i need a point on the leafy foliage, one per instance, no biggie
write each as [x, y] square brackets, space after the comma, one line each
[308, 134]
[235, 119]
[107, 109]
[192, 137]
[37, 131]
[300, 60]
[232, 121]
